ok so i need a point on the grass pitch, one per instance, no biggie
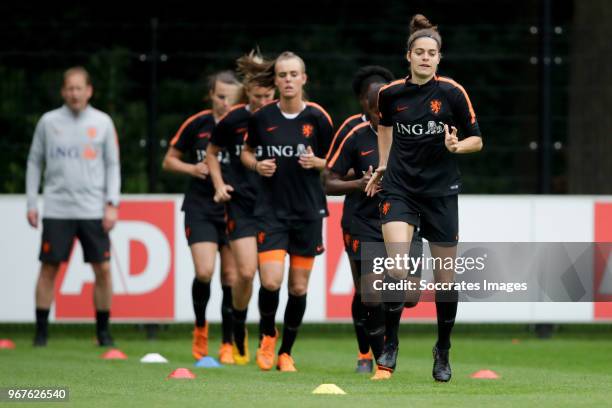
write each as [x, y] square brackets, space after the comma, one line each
[574, 368]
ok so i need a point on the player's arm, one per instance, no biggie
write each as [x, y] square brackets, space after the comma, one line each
[173, 161]
[385, 140]
[465, 117]
[248, 157]
[113, 177]
[222, 190]
[336, 185]
[339, 165]
[36, 158]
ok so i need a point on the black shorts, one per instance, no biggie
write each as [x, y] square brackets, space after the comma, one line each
[198, 228]
[416, 247]
[58, 236]
[297, 237]
[241, 222]
[436, 217]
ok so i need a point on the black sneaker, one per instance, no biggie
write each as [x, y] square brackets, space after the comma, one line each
[441, 367]
[40, 339]
[105, 339]
[388, 358]
[364, 365]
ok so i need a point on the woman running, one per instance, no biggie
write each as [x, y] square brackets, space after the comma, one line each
[204, 218]
[418, 140]
[239, 188]
[364, 77]
[358, 153]
[293, 136]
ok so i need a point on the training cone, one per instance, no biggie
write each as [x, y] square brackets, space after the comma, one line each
[328, 389]
[485, 375]
[207, 362]
[182, 374]
[516, 341]
[114, 354]
[153, 358]
[6, 344]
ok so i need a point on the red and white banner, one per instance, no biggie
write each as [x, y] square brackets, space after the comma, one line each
[152, 268]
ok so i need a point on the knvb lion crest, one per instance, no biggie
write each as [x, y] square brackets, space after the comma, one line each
[435, 105]
[307, 130]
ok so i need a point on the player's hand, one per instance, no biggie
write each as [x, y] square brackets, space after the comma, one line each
[110, 218]
[200, 170]
[266, 168]
[365, 179]
[450, 139]
[33, 218]
[373, 186]
[307, 159]
[223, 194]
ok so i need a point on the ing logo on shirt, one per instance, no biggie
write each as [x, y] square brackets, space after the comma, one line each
[307, 130]
[435, 105]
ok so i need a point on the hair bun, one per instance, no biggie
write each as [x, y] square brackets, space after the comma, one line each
[420, 22]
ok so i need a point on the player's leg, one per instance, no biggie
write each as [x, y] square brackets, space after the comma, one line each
[96, 251]
[441, 228]
[202, 237]
[245, 255]
[364, 356]
[271, 271]
[56, 243]
[272, 244]
[228, 278]
[305, 242]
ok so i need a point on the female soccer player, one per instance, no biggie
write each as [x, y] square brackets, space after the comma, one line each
[364, 77]
[359, 152]
[240, 188]
[293, 136]
[417, 157]
[204, 218]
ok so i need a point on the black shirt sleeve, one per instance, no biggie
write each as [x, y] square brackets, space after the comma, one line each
[185, 136]
[342, 161]
[221, 133]
[338, 138]
[324, 135]
[384, 107]
[463, 112]
[252, 138]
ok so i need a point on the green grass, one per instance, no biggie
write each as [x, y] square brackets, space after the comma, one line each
[574, 368]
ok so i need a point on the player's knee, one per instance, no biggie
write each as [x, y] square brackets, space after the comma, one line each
[246, 273]
[203, 274]
[270, 283]
[298, 288]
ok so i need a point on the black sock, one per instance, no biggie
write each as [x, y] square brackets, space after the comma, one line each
[268, 303]
[200, 293]
[42, 321]
[294, 313]
[102, 317]
[446, 311]
[375, 326]
[358, 313]
[239, 319]
[393, 315]
[226, 314]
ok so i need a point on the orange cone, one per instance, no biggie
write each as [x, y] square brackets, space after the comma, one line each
[114, 354]
[516, 341]
[6, 344]
[182, 374]
[485, 375]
